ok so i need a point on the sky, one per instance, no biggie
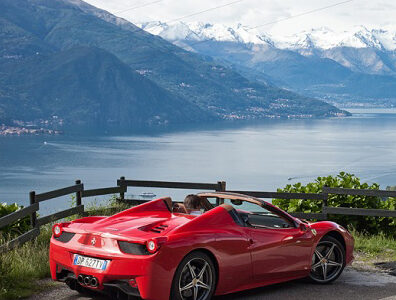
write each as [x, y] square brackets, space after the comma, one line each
[369, 13]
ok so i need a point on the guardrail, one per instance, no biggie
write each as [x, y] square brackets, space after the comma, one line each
[219, 186]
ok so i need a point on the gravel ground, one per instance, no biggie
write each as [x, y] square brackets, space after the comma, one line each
[352, 284]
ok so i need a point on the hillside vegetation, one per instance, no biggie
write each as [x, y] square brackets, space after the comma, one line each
[84, 65]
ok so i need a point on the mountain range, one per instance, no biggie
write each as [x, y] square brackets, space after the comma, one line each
[68, 59]
[357, 65]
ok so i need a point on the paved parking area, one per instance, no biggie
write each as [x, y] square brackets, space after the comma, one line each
[351, 285]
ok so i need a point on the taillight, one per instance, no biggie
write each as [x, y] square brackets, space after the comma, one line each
[152, 246]
[57, 230]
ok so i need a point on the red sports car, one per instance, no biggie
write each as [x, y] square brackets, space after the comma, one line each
[159, 251]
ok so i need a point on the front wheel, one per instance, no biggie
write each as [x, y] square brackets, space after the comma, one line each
[195, 278]
[328, 261]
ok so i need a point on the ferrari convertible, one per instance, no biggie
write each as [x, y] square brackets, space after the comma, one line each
[159, 251]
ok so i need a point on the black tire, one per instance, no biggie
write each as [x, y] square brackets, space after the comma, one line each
[201, 265]
[327, 265]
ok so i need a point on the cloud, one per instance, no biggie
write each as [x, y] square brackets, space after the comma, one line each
[257, 12]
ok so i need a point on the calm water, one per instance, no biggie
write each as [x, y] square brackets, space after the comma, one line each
[258, 156]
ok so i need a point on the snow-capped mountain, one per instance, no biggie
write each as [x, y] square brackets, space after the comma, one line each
[360, 49]
[359, 63]
[198, 31]
[321, 38]
[325, 38]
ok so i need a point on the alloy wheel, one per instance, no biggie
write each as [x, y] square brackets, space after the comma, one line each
[196, 280]
[327, 261]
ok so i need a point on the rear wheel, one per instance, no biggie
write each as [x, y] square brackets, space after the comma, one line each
[195, 278]
[328, 261]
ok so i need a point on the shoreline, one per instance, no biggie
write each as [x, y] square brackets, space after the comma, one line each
[18, 131]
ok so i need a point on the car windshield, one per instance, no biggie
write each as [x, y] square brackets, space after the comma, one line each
[257, 216]
[248, 207]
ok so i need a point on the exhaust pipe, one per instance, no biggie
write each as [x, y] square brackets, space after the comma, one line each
[80, 279]
[87, 280]
[94, 282]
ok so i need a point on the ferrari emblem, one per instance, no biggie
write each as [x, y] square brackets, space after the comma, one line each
[313, 231]
[93, 241]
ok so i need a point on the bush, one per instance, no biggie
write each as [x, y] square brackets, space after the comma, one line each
[16, 229]
[372, 225]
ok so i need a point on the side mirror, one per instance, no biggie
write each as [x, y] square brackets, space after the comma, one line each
[303, 227]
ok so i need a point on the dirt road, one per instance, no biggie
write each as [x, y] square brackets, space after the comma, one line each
[351, 285]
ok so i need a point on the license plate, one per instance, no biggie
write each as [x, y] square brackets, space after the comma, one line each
[90, 262]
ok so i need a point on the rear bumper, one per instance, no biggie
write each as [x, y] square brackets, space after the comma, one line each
[113, 288]
[121, 268]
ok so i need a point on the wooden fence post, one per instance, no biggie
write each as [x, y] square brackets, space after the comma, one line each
[221, 187]
[122, 184]
[33, 216]
[78, 194]
[325, 201]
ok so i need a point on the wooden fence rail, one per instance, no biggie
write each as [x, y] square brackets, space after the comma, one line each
[219, 186]
[25, 237]
[59, 193]
[357, 192]
[20, 214]
[281, 195]
[104, 191]
[359, 211]
[171, 185]
[60, 215]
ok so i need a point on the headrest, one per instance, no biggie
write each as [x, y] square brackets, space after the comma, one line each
[180, 208]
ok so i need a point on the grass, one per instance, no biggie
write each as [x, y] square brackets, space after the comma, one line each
[105, 209]
[375, 245]
[371, 251]
[21, 268]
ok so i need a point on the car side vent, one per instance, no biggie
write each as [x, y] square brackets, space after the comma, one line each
[159, 228]
[133, 248]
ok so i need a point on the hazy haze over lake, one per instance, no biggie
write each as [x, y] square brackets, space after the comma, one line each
[257, 156]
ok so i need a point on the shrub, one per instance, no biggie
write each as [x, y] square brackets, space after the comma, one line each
[370, 225]
[17, 228]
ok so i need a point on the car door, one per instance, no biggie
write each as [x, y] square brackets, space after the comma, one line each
[278, 248]
[280, 252]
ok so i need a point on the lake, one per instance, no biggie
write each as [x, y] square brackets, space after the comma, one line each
[261, 155]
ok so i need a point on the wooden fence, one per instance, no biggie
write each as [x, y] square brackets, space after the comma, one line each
[220, 186]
